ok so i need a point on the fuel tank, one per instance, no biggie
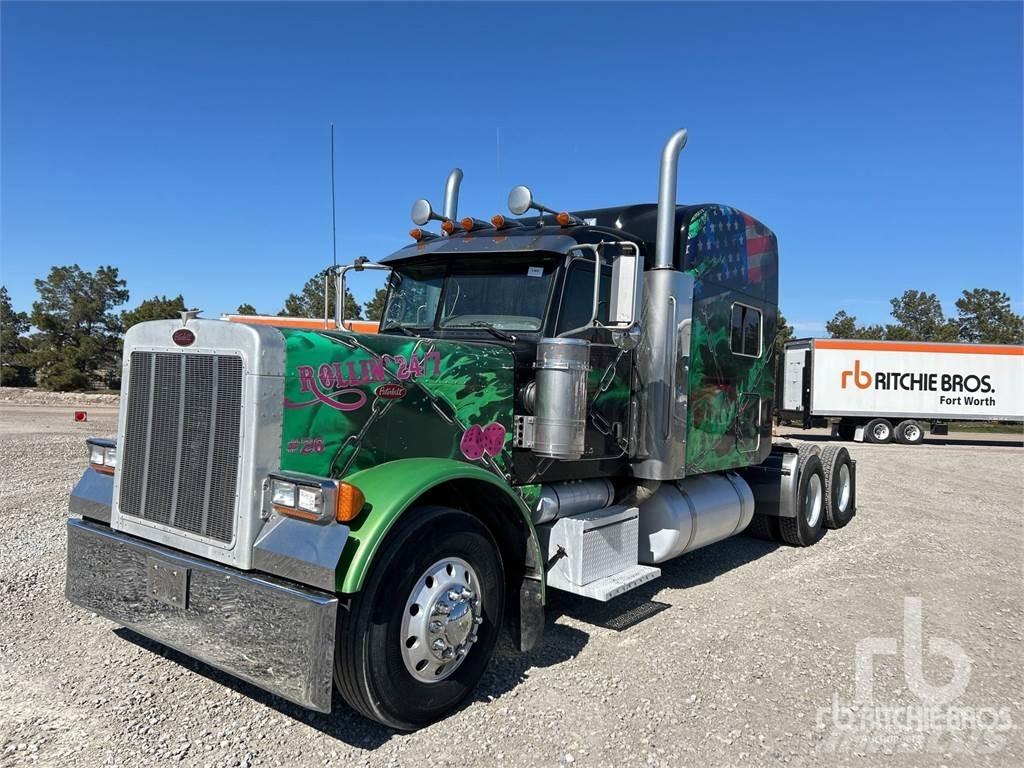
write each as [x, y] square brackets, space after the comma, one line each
[691, 513]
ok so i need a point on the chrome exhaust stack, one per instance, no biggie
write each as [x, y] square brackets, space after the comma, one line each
[451, 194]
[664, 351]
[663, 256]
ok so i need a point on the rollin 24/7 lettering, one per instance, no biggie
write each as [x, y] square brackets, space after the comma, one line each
[330, 381]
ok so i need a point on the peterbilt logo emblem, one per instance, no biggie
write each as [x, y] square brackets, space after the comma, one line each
[183, 337]
[391, 391]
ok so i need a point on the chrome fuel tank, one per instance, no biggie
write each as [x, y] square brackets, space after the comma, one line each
[693, 513]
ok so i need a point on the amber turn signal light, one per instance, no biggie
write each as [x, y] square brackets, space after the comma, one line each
[563, 219]
[448, 226]
[416, 234]
[498, 221]
[350, 502]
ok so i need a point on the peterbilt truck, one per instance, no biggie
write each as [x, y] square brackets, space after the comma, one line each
[554, 401]
[886, 391]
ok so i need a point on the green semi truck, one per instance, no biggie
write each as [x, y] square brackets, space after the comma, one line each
[554, 401]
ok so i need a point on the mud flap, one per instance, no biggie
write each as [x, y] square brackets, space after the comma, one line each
[529, 630]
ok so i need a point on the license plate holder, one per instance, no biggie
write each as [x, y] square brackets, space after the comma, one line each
[167, 582]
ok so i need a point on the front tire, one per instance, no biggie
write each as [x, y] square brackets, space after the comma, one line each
[416, 639]
[807, 527]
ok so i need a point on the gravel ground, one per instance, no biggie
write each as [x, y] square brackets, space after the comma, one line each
[736, 655]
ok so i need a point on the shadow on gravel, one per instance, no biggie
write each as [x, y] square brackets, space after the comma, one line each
[508, 669]
[690, 570]
[1010, 441]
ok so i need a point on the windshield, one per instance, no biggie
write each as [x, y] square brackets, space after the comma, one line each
[508, 293]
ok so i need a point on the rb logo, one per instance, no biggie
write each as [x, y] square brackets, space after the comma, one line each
[861, 378]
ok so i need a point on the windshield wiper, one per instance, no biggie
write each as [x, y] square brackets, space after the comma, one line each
[402, 328]
[497, 332]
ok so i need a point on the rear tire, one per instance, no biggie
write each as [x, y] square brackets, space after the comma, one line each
[909, 432]
[807, 527]
[764, 527]
[840, 487]
[878, 431]
[379, 650]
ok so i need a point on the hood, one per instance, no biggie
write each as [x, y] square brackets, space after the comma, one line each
[353, 401]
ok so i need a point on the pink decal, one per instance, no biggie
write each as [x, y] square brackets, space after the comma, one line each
[335, 384]
[494, 438]
[472, 443]
[306, 382]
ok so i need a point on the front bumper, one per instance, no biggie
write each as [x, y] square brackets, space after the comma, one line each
[273, 634]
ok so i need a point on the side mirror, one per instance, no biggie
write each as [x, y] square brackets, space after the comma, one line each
[422, 212]
[520, 200]
[624, 296]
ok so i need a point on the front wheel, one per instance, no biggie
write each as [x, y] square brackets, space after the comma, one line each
[416, 639]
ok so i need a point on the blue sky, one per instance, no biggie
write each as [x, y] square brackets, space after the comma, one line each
[187, 143]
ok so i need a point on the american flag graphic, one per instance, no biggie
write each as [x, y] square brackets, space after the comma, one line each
[732, 248]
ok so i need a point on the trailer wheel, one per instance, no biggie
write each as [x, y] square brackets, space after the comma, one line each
[764, 527]
[909, 432]
[840, 486]
[415, 641]
[878, 431]
[807, 527]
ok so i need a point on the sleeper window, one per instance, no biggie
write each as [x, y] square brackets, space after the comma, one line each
[746, 330]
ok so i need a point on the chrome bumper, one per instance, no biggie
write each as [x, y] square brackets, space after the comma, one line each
[274, 635]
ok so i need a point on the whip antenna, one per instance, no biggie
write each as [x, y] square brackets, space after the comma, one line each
[334, 214]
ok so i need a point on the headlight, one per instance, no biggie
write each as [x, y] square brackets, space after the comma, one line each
[102, 454]
[317, 499]
[282, 493]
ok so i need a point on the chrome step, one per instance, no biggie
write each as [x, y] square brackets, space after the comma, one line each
[611, 586]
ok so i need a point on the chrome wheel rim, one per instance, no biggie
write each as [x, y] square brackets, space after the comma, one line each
[912, 433]
[812, 501]
[881, 432]
[441, 618]
[843, 483]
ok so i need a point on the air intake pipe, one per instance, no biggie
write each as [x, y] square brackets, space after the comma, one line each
[663, 251]
[451, 194]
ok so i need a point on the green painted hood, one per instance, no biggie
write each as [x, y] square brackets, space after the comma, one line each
[353, 401]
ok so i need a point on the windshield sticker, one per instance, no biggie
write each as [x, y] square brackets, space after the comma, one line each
[535, 272]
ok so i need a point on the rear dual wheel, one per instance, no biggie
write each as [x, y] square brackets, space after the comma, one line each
[909, 432]
[807, 527]
[415, 641]
[878, 431]
[840, 496]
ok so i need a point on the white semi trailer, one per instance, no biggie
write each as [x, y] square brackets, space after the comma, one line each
[880, 391]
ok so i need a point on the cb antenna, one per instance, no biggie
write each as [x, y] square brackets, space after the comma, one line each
[334, 209]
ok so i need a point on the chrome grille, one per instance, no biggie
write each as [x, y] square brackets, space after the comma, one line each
[179, 460]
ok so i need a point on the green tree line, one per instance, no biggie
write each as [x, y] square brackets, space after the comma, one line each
[71, 339]
[983, 316]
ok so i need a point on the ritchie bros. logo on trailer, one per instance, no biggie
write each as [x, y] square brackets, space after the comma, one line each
[916, 382]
